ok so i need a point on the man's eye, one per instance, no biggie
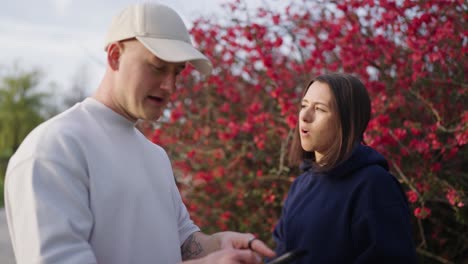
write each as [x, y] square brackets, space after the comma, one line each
[157, 69]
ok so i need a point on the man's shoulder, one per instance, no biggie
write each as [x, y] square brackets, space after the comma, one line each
[71, 120]
[61, 131]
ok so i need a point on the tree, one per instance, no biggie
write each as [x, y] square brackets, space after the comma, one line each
[228, 134]
[21, 106]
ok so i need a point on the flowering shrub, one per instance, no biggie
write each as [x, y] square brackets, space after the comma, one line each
[228, 134]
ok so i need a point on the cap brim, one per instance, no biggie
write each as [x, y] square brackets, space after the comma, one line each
[171, 50]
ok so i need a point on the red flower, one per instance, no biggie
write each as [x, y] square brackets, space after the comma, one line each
[191, 154]
[436, 167]
[260, 142]
[422, 212]
[276, 19]
[259, 173]
[454, 198]
[291, 120]
[412, 196]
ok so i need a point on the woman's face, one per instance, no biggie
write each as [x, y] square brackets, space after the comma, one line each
[318, 119]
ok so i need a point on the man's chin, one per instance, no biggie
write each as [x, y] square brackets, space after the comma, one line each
[153, 118]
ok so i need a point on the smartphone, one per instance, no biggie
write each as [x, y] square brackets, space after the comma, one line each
[288, 257]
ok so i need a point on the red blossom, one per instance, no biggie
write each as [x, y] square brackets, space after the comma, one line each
[225, 107]
[291, 120]
[412, 196]
[409, 54]
[400, 133]
[422, 212]
[190, 154]
[221, 121]
[422, 187]
[436, 167]
[276, 19]
[259, 142]
[453, 198]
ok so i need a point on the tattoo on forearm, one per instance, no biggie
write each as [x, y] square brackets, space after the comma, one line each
[191, 248]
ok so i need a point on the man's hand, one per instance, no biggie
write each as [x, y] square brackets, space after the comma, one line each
[231, 247]
[234, 240]
[229, 256]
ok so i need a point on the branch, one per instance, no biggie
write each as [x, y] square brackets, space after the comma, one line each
[402, 145]
[407, 181]
[434, 112]
[283, 152]
[430, 255]
[404, 178]
[445, 82]
[423, 237]
[452, 231]
[274, 179]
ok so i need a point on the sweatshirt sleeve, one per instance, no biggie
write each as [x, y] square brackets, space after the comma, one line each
[185, 223]
[381, 231]
[278, 232]
[382, 237]
[48, 212]
[186, 226]
[278, 235]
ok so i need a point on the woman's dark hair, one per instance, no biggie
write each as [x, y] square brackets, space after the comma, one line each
[353, 106]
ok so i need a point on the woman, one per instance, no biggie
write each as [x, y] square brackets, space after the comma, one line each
[345, 207]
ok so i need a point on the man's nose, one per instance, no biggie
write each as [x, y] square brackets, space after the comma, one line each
[169, 82]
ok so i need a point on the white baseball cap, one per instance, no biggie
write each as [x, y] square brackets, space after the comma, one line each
[161, 30]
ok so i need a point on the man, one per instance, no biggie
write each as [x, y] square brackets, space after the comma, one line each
[88, 187]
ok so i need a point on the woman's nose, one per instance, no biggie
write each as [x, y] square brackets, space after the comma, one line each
[307, 115]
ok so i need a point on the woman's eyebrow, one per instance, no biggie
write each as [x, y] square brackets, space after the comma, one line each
[322, 103]
[316, 102]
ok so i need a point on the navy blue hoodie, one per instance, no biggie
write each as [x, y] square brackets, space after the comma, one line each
[355, 213]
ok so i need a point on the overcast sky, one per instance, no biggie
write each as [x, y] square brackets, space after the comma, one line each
[61, 36]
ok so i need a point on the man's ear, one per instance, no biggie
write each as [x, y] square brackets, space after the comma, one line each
[114, 51]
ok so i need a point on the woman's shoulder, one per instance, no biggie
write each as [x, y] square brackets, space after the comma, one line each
[378, 187]
[375, 175]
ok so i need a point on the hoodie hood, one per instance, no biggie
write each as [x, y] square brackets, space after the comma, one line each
[362, 156]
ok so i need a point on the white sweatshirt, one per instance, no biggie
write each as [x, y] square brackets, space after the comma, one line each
[87, 187]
